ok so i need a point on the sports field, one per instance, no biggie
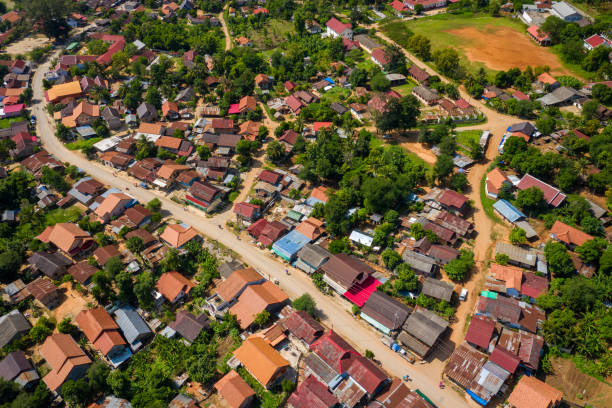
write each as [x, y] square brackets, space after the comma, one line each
[497, 43]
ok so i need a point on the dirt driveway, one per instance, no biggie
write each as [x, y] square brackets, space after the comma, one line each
[72, 304]
[27, 44]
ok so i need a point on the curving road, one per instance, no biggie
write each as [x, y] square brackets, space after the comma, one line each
[333, 311]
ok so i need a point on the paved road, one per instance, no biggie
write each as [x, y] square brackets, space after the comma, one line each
[334, 314]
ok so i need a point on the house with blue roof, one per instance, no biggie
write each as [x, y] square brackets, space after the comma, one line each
[288, 246]
[508, 211]
[132, 325]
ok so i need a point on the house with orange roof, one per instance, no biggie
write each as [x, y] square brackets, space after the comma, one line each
[12, 17]
[512, 277]
[545, 79]
[167, 173]
[249, 130]
[230, 289]
[234, 390]
[103, 333]
[570, 236]
[255, 299]
[113, 206]
[170, 110]
[262, 361]
[150, 131]
[247, 104]
[67, 90]
[311, 228]
[318, 195]
[82, 114]
[173, 286]
[172, 144]
[530, 392]
[243, 41]
[494, 182]
[177, 235]
[66, 359]
[67, 237]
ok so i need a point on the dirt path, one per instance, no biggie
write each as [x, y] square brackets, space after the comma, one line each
[487, 231]
[228, 39]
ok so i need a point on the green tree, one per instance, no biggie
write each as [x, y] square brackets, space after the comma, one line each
[420, 46]
[275, 151]
[125, 284]
[531, 200]
[52, 13]
[457, 269]
[380, 83]
[518, 236]
[203, 366]
[444, 167]
[65, 326]
[592, 250]
[391, 258]
[54, 179]
[459, 182]
[559, 261]
[406, 278]
[63, 133]
[305, 303]
[261, 318]
[447, 61]
[341, 245]
[10, 261]
[145, 283]
[134, 244]
[154, 205]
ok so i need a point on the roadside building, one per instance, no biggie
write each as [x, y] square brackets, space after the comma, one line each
[384, 313]
[261, 361]
[311, 257]
[437, 289]
[480, 332]
[421, 331]
[66, 359]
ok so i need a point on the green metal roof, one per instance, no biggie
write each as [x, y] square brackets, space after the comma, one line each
[294, 215]
[72, 46]
[488, 294]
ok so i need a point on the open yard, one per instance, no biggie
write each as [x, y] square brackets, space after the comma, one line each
[578, 387]
[27, 44]
[495, 43]
[70, 214]
[79, 144]
[271, 35]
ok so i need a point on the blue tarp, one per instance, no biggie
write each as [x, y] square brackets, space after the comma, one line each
[477, 398]
[331, 81]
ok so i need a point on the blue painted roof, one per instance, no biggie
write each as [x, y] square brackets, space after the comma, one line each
[508, 211]
[291, 243]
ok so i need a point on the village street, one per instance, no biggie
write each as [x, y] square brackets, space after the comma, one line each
[333, 312]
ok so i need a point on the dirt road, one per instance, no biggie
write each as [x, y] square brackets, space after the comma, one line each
[487, 231]
[333, 311]
[228, 39]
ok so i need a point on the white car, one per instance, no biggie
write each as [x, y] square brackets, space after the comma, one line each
[463, 294]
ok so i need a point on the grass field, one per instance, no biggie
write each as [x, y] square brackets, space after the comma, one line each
[272, 34]
[495, 43]
[70, 214]
[79, 144]
[6, 123]
[465, 136]
[405, 89]
[336, 94]
[487, 203]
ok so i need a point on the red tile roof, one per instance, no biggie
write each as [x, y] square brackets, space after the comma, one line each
[337, 26]
[505, 359]
[534, 285]
[380, 56]
[480, 331]
[568, 234]
[453, 199]
[269, 176]
[303, 326]
[552, 195]
[334, 350]
[247, 210]
[312, 394]
[595, 40]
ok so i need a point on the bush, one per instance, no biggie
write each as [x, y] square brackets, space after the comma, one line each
[305, 303]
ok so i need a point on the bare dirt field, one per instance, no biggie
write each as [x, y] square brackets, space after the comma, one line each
[502, 48]
[574, 384]
[72, 304]
[27, 44]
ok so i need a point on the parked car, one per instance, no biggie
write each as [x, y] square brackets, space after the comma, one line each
[463, 294]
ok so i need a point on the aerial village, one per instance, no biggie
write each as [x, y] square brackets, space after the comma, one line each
[269, 203]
